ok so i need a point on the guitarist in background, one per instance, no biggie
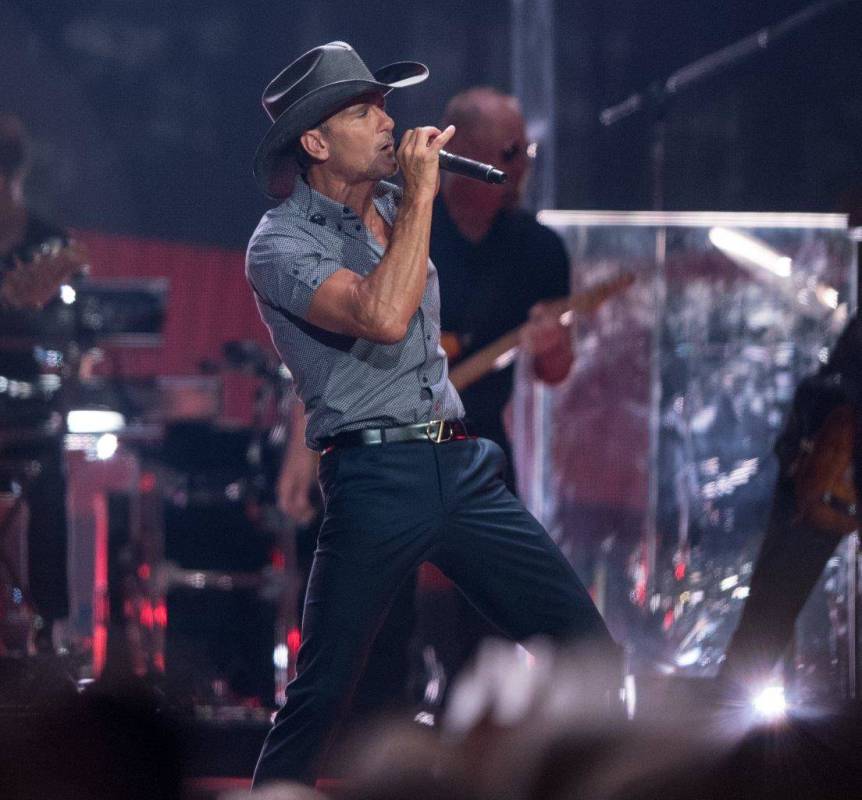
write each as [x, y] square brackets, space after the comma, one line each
[816, 501]
[35, 259]
[27, 279]
[496, 264]
[815, 504]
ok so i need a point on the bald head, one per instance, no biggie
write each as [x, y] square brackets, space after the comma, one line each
[489, 127]
[472, 110]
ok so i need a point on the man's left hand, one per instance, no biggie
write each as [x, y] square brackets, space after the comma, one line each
[550, 344]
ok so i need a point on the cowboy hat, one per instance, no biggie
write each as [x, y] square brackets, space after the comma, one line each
[307, 91]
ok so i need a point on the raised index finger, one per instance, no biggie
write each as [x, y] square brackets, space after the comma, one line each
[442, 138]
[424, 135]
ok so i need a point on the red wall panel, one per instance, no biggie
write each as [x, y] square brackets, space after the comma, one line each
[209, 303]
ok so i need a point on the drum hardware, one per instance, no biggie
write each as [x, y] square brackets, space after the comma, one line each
[212, 569]
[44, 354]
[268, 582]
[19, 620]
[265, 453]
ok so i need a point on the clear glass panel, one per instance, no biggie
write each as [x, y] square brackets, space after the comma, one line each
[652, 464]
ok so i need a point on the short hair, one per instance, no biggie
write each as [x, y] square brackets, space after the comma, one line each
[292, 160]
[300, 154]
[14, 145]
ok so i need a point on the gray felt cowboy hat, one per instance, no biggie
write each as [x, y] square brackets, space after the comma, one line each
[307, 91]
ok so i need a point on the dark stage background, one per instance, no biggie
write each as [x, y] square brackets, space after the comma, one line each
[146, 115]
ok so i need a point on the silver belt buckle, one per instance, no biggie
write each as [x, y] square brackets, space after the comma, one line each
[436, 436]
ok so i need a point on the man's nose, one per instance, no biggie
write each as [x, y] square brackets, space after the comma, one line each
[386, 122]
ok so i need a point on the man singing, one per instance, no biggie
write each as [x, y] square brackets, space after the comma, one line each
[343, 280]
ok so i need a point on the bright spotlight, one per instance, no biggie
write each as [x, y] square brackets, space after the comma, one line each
[93, 420]
[106, 446]
[281, 656]
[67, 294]
[770, 704]
[750, 251]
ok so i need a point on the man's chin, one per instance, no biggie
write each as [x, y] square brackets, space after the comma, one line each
[384, 174]
[382, 168]
[389, 167]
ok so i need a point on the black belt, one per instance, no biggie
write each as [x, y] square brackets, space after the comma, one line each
[436, 431]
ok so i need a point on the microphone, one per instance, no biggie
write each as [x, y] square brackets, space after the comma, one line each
[471, 169]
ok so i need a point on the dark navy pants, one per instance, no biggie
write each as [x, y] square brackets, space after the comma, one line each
[388, 508]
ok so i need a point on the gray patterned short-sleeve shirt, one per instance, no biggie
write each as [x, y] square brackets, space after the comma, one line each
[345, 383]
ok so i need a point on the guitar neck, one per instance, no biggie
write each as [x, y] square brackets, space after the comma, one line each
[501, 352]
[482, 362]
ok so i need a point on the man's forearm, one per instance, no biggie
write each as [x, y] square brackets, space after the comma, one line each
[389, 296]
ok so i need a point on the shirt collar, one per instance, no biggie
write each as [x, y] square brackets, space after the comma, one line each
[319, 208]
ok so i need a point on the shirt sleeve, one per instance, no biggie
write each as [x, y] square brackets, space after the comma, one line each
[551, 281]
[286, 270]
[559, 260]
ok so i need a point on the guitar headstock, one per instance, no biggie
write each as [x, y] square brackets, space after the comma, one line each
[588, 301]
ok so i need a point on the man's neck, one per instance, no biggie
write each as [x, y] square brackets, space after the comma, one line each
[472, 222]
[358, 196]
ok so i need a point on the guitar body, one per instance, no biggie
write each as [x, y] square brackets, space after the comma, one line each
[451, 343]
[823, 475]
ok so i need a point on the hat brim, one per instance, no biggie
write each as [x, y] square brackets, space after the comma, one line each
[312, 109]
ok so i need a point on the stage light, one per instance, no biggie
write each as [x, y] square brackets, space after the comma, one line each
[281, 656]
[94, 420]
[67, 294]
[769, 703]
[690, 657]
[751, 251]
[106, 446]
[629, 695]
[827, 295]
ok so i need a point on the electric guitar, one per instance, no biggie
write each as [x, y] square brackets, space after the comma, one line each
[33, 281]
[823, 474]
[501, 352]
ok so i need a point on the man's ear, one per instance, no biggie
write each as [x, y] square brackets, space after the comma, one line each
[314, 144]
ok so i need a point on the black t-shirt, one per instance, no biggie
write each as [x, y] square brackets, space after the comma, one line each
[487, 289]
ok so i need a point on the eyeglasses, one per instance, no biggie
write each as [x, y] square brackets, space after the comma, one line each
[518, 149]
